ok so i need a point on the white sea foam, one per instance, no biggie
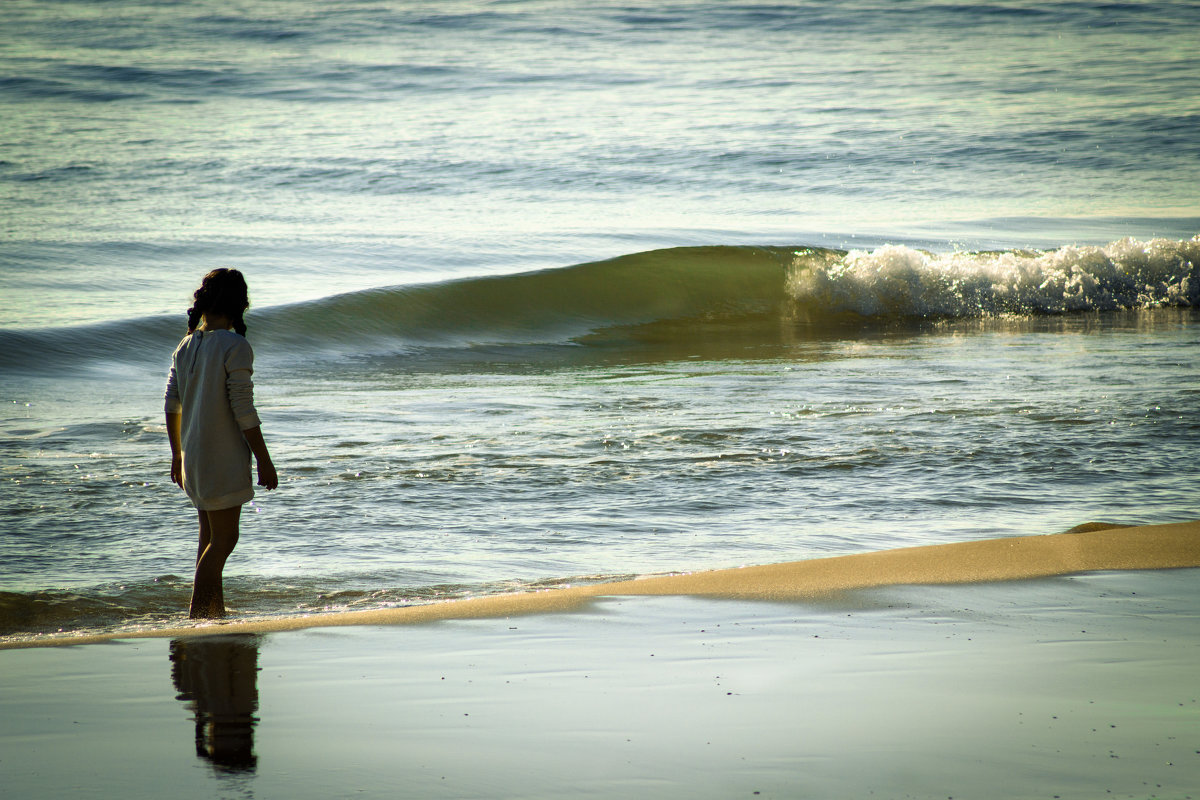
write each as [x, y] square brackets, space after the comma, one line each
[897, 280]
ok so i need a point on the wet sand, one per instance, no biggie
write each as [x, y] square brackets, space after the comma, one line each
[1080, 686]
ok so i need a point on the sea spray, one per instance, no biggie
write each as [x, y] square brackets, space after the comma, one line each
[899, 281]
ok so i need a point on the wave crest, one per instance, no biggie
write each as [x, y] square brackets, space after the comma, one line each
[900, 281]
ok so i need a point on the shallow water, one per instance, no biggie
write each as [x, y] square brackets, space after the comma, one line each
[405, 485]
[551, 292]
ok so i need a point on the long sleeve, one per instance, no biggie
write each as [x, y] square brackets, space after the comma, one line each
[239, 366]
[171, 402]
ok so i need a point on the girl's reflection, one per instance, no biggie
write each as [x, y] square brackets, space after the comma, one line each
[217, 677]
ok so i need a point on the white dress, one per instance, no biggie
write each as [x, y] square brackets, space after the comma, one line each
[209, 386]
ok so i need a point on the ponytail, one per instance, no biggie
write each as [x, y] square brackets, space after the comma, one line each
[193, 318]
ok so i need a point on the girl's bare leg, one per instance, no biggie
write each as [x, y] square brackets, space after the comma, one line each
[204, 534]
[218, 537]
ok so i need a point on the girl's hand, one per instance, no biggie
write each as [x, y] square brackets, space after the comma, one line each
[267, 478]
[177, 471]
[266, 470]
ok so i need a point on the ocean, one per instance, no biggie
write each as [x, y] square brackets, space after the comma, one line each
[552, 292]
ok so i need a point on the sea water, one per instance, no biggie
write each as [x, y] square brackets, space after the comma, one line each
[550, 292]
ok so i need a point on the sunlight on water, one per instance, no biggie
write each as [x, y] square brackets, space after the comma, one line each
[408, 484]
[550, 291]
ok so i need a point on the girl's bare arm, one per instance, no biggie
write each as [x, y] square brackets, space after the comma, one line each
[266, 469]
[173, 423]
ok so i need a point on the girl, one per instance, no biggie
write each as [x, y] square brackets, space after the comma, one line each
[213, 427]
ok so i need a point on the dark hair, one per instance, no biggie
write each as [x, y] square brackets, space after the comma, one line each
[223, 291]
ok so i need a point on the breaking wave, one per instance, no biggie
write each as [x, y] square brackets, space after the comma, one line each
[900, 281]
[679, 293]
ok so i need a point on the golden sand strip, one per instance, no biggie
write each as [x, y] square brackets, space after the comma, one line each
[1088, 548]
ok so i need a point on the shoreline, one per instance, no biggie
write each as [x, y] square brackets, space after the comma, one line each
[1091, 547]
[1080, 686]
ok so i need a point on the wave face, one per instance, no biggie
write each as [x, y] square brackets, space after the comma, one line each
[552, 306]
[722, 284]
[677, 293]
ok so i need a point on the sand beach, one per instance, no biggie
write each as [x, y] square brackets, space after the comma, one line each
[1057, 666]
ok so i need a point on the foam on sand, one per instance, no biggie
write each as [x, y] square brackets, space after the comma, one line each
[1087, 548]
